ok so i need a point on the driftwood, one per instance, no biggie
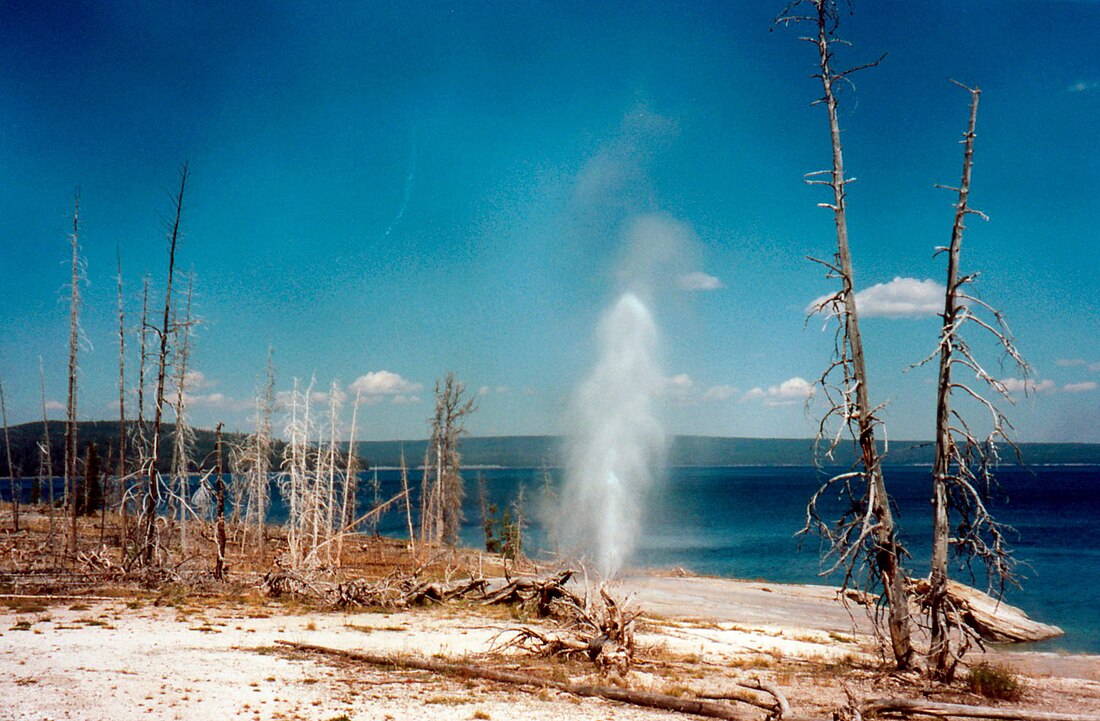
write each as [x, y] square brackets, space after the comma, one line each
[778, 707]
[906, 707]
[600, 630]
[384, 593]
[542, 593]
[991, 619]
[648, 699]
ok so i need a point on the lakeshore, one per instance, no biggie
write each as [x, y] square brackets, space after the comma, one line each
[177, 656]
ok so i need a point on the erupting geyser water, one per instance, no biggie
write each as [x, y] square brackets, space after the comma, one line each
[618, 444]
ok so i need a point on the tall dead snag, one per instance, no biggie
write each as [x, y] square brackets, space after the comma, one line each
[219, 499]
[443, 509]
[408, 501]
[962, 468]
[11, 468]
[121, 395]
[351, 486]
[151, 500]
[864, 541]
[45, 462]
[183, 436]
[74, 342]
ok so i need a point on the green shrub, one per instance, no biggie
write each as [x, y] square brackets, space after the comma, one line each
[996, 682]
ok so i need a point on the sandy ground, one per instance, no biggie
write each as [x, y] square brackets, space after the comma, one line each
[123, 660]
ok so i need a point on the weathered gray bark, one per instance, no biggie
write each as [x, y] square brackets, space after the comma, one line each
[121, 372]
[70, 406]
[709, 709]
[939, 652]
[219, 499]
[152, 488]
[11, 468]
[907, 707]
[855, 406]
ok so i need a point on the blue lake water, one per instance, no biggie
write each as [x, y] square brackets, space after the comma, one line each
[741, 522]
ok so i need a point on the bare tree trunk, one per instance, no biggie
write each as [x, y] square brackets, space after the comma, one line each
[856, 410]
[11, 468]
[351, 470]
[182, 438]
[140, 439]
[152, 490]
[219, 498]
[121, 399]
[408, 501]
[74, 341]
[940, 664]
[47, 453]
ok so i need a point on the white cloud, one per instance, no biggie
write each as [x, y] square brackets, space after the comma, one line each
[698, 280]
[403, 400]
[503, 390]
[719, 393]
[1094, 367]
[681, 388]
[1082, 86]
[1069, 362]
[1027, 386]
[197, 380]
[325, 397]
[791, 391]
[58, 405]
[900, 298]
[484, 390]
[383, 383]
[217, 401]
[1079, 387]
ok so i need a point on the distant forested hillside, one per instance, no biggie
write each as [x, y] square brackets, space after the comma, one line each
[26, 437]
[534, 451]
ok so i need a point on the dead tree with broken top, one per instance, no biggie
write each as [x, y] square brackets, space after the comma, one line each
[71, 458]
[152, 493]
[962, 473]
[863, 543]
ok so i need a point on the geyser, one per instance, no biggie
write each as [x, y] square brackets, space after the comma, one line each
[617, 444]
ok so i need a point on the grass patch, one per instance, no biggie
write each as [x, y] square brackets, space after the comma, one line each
[447, 700]
[21, 626]
[24, 605]
[995, 682]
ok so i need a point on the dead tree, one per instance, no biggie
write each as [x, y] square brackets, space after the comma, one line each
[408, 501]
[219, 499]
[962, 473]
[74, 342]
[256, 503]
[183, 436]
[45, 454]
[11, 468]
[443, 515]
[121, 394]
[151, 501]
[863, 543]
[351, 474]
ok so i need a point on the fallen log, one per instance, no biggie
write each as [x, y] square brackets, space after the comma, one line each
[907, 707]
[648, 699]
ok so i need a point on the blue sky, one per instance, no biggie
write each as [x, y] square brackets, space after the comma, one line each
[383, 192]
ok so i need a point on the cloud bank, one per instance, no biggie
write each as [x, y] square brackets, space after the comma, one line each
[900, 298]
